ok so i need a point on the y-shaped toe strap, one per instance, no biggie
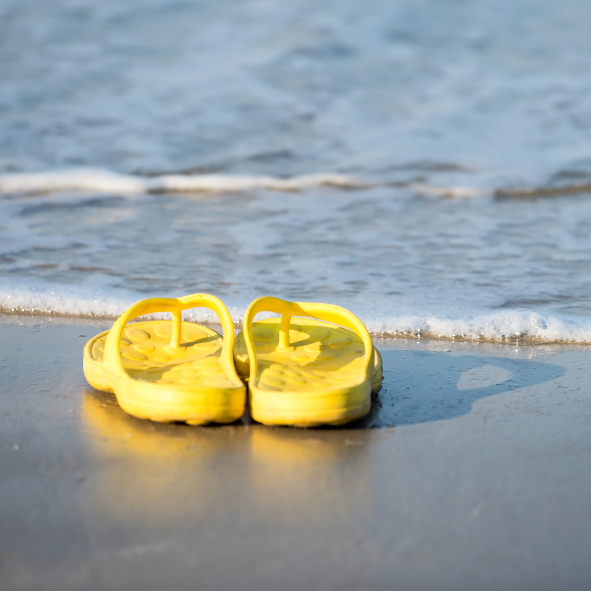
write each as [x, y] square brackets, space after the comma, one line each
[112, 357]
[327, 312]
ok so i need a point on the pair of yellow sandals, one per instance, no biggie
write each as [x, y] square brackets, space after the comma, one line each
[318, 370]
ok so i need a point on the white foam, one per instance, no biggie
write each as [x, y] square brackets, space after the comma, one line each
[100, 180]
[508, 325]
[83, 179]
[451, 191]
[38, 297]
[219, 183]
[105, 181]
[34, 296]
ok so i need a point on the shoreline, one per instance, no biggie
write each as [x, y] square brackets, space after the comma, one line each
[81, 320]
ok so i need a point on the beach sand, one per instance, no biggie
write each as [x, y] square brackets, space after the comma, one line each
[472, 472]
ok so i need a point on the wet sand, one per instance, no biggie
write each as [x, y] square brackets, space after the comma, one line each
[472, 472]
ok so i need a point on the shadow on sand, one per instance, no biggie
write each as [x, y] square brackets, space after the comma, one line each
[422, 386]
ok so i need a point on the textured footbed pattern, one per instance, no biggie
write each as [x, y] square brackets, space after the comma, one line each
[320, 356]
[148, 356]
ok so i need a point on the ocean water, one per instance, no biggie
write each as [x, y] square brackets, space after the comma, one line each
[425, 163]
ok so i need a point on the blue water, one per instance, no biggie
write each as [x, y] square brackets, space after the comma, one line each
[431, 108]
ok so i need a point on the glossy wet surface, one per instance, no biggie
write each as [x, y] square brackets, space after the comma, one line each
[471, 472]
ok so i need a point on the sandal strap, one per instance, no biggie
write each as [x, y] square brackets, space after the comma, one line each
[112, 355]
[327, 312]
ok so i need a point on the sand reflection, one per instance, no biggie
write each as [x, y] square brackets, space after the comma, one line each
[168, 477]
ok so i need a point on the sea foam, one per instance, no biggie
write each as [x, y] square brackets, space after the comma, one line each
[37, 297]
[105, 181]
[99, 180]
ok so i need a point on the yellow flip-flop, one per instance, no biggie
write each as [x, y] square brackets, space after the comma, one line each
[319, 370]
[169, 371]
